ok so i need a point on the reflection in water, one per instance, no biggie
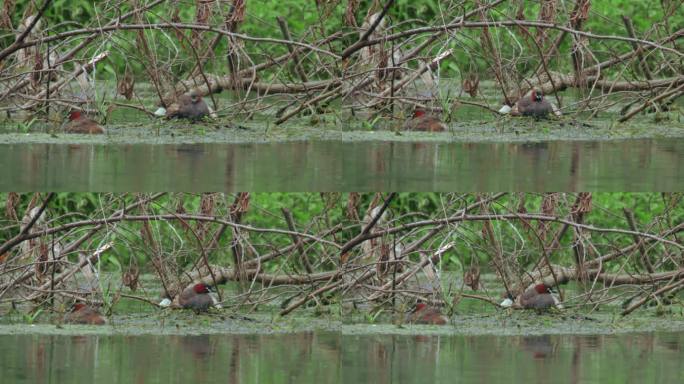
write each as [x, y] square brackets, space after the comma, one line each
[635, 165]
[539, 347]
[335, 358]
[197, 347]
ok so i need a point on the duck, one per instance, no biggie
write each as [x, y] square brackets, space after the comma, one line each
[198, 297]
[78, 123]
[533, 104]
[422, 121]
[537, 297]
[189, 106]
[424, 314]
[84, 314]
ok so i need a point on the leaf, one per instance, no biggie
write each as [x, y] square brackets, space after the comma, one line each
[126, 84]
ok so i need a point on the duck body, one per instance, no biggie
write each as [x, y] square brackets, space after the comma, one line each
[81, 124]
[533, 104]
[84, 314]
[423, 314]
[421, 121]
[538, 297]
[197, 297]
[189, 107]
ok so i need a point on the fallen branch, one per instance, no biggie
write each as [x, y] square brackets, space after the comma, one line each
[673, 288]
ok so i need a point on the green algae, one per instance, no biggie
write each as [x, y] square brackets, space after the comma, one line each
[516, 324]
[505, 130]
[497, 322]
[466, 123]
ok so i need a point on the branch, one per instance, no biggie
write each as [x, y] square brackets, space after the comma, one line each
[17, 45]
[196, 27]
[650, 102]
[24, 235]
[66, 274]
[676, 286]
[360, 44]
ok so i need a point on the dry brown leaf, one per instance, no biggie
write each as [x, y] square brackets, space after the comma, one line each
[7, 10]
[130, 277]
[471, 278]
[584, 205]
[240, 205]
[350, 13]
[11, 205]
[126, 84]
[471, 84]
[353, 202]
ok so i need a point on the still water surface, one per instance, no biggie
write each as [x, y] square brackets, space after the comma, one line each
[315, 357]
[619, 165]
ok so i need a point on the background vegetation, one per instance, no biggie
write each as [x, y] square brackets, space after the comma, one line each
[651, 18]
[651, 210]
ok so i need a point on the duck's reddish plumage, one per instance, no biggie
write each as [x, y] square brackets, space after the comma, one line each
[541, 289]
[535, 105]
[424, 314]
[200, 288]
[196, 297]
[74, 115]
[537, 297]
[81, 124]
[421, 121]
[84, 314]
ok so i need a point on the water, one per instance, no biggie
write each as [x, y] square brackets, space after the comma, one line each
[315, 357]
[619, 165]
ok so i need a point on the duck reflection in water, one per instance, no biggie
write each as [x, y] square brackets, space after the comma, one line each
[540, 347]
[199, 347]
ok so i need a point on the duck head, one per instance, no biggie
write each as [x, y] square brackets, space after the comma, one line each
[195, 98]
[543, 293]
[419, 307]
[542, 289]
[74, 115]
[201, 288]
[537, 96]
[77, 307]
[418, 112]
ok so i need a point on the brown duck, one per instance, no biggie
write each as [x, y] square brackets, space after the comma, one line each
[81, 124]
[189, 106]
[84, 314]
[533, 104]
[421, 121]
[539, 297]
[424, 314]
[197, 297]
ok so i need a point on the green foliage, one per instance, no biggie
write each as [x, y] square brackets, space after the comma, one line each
[315, 213]
[309, 21]
[30, 317]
